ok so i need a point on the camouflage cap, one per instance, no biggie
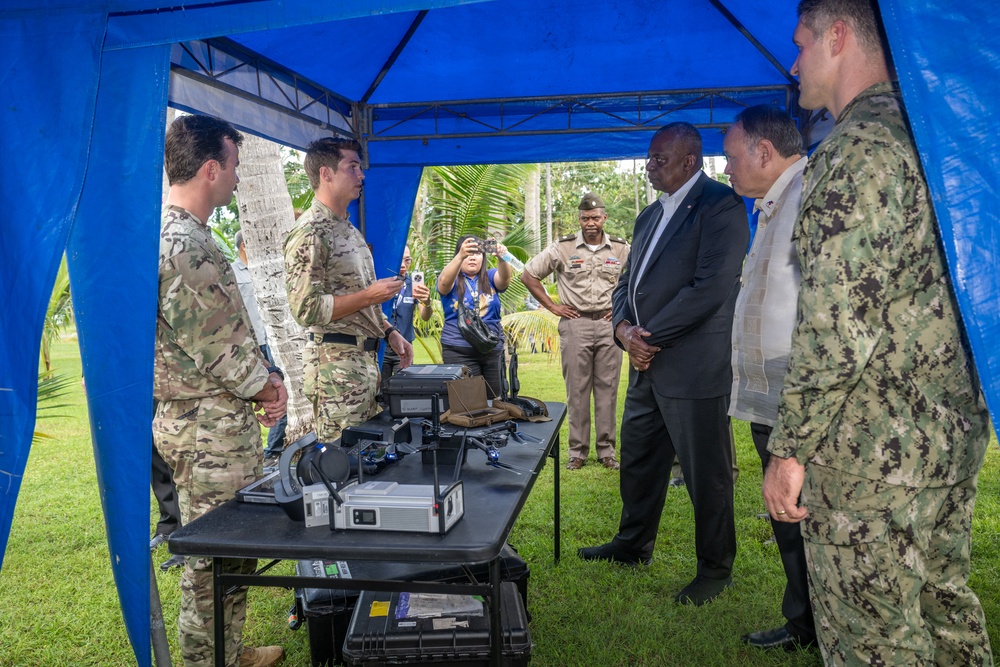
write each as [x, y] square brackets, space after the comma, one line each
[590, 201]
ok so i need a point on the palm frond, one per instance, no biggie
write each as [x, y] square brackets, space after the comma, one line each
[59, 313]
[50, 389]
[540, 323]
[467, 199]
[226, 246]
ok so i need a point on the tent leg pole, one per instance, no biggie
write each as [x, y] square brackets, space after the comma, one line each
[157, 631]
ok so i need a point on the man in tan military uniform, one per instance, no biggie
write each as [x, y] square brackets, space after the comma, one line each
[587, 266]
[209, 375]
[332, 290]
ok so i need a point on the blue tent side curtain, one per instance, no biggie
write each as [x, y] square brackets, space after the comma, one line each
[81, 79]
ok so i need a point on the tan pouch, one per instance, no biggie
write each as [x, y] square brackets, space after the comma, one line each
[467, 404]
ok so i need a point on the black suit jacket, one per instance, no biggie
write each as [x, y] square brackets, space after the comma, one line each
[687, 293]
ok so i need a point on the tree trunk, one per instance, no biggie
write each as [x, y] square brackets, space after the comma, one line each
[548, 204]
[266, 217]
[532, 209]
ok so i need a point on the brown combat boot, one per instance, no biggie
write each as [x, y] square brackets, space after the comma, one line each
[265, 656]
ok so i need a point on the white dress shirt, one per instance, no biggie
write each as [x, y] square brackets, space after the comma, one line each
[669, 203]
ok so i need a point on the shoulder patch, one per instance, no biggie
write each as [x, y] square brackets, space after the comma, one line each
[617, 239]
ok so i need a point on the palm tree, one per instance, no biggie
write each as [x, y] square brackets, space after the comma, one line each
[483, 200]
[58, 315]
[266, 216]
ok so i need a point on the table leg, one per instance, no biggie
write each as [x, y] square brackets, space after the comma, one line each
[557, 537]
[218, 593]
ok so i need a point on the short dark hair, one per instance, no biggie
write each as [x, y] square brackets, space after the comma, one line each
[688, 136]
[764, 122]
[862, 15]
[194, 140]
[326, 152]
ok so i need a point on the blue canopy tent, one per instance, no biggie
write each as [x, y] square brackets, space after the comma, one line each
[422, 82]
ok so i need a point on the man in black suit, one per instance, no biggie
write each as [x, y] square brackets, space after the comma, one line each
[673, 314]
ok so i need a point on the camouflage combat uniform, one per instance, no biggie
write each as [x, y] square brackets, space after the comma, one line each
[207, 366]
[326, 256]
[882, 406]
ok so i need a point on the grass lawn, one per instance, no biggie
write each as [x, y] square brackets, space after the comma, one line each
[58, 604]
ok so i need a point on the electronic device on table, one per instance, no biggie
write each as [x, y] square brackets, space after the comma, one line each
[261, 491]
[319, 492]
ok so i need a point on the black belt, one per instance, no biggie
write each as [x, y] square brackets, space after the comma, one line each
[368, 344]
[596, 315]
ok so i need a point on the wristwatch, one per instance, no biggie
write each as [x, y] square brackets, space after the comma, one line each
[275, 369]
[388, 332]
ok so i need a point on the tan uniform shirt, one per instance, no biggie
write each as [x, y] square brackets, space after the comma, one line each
[326, 256]
[585, 278]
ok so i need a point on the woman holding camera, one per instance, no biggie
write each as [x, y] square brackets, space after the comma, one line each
[467, 280]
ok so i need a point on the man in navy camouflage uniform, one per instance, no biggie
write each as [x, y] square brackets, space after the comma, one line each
[209, 375]
[881, 425]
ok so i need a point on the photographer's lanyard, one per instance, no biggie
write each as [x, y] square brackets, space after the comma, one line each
[472, 289]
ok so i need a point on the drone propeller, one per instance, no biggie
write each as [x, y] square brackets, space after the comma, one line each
[525, 438]
[513, 469]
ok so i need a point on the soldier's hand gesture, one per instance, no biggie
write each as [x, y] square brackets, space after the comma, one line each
[382, 290]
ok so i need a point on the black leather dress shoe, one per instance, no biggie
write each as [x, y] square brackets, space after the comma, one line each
[702, 589]
[612, 553]
[777, 638]
[173, 561]
[157, 540]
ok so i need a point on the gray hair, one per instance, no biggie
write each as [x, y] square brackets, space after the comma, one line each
[763, 122]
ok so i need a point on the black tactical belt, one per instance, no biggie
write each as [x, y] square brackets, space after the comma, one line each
[595, 315]
[368, 344]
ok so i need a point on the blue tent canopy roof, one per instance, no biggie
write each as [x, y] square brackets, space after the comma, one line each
[423, 82]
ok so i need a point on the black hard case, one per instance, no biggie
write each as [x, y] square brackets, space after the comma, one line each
[327, 611]
[409, 391]
[384, 640]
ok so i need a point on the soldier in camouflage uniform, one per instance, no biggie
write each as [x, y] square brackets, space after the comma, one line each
[881, 424]
[209, 374]
[332, 291]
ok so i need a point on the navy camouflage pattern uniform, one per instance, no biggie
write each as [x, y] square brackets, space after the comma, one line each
[207, 367]
[591, 362]
[882, 405]
[326, 256]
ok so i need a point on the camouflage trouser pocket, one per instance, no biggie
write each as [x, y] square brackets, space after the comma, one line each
[851, 571]
[214, 449]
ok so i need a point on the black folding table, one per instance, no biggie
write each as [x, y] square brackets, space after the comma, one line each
[493, 499]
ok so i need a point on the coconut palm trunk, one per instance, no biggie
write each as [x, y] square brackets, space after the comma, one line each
[266, 217]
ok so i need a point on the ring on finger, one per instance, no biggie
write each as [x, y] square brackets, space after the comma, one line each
[781, 512]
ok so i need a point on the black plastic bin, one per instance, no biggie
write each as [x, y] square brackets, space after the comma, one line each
[327, 611]
[408, 392]
[379, 638]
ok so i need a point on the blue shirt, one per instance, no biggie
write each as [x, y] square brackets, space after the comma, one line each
[402, 311]
[489, 309]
